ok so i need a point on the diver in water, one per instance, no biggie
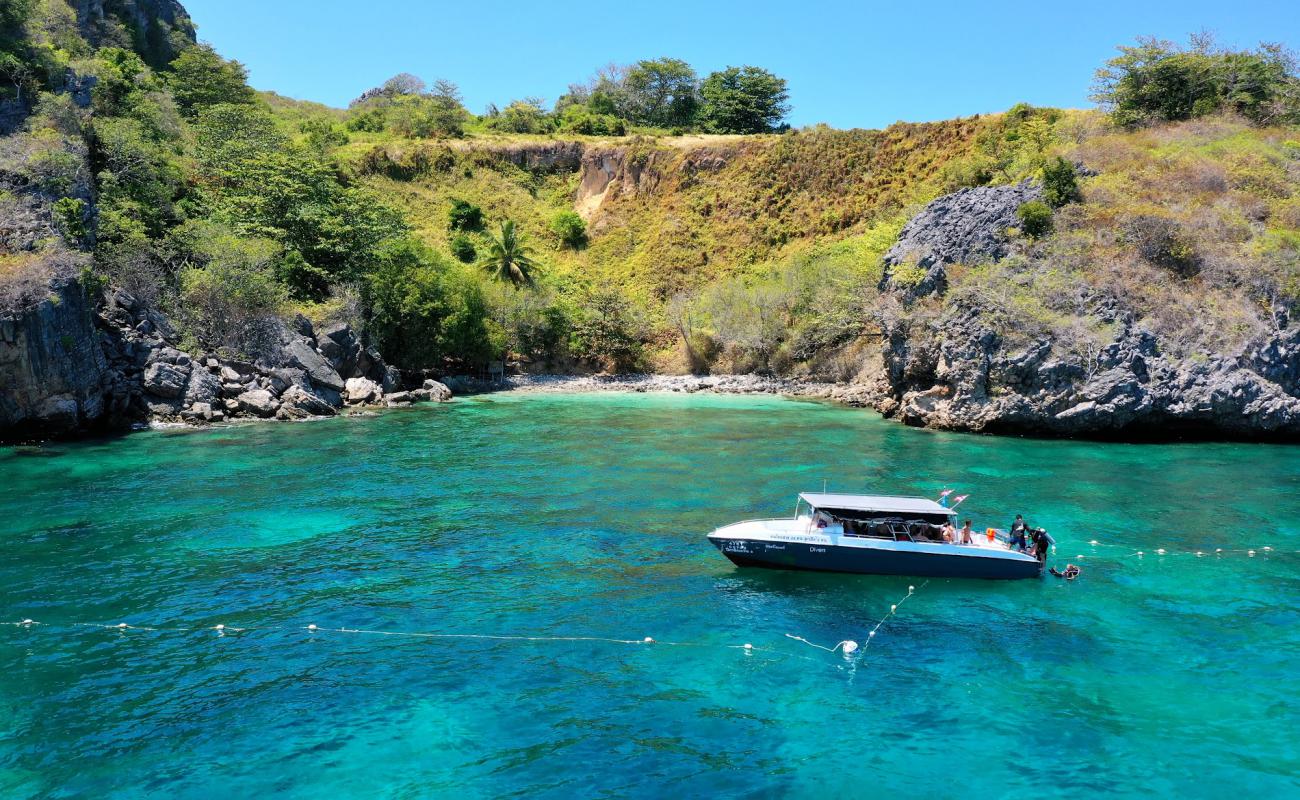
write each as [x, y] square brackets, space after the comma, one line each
[1071, 572]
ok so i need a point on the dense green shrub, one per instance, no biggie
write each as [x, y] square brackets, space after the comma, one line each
[70, 213]
[1035, 218]
[228, 288]
[323, 135]
[607, 333]
[421, 117]
[523, 116]
[1158, 80]
[570, 229]
[367, 120]
[462, 248]
[464, 216]
[1060, 186]
[424, 315]
[581, 120]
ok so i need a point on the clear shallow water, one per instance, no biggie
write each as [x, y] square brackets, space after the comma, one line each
[584, 515]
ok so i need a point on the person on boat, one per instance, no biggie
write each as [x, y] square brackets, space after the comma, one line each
[1040, 544]
[966, 537]
[1018, 530]
[949, 532]
[1071, 572]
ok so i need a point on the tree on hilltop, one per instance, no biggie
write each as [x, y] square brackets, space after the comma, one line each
[1157, 80]
[743, 100]
[662, 91]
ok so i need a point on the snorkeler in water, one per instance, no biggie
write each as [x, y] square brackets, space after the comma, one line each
[1071, 572]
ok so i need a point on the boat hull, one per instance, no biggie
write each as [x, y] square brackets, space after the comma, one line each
[872, 561]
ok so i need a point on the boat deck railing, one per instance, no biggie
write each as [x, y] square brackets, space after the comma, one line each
[979, 539]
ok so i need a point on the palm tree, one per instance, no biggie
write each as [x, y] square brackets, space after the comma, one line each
[507, 257]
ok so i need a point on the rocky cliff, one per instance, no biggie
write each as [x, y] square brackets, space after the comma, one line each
[957, 365]
[74, 363]
[53, 371]
[157, 29]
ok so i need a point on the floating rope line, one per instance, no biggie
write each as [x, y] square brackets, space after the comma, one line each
[312, 629]
[848, 646]
[1218, 552]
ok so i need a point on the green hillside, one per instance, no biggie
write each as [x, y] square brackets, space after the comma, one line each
[658, 219]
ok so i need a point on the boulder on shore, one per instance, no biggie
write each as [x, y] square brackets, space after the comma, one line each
[258, 402]
[436, 391]
[298, 402]
[361, 390]
[165, 379]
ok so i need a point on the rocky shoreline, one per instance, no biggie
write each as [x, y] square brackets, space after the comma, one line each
[76, 363]
[646, 382]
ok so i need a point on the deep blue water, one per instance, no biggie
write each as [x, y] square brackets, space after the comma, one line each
[585, 515]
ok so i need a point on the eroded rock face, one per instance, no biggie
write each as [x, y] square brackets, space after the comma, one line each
[955, 370]
[965, 227]
[52, 369]
[540, 156]
[1128, 388]
[166, 380]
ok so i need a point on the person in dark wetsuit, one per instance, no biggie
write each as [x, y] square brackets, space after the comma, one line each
[1039, 537]
[1071, 572]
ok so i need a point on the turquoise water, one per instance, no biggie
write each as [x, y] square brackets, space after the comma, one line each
[584, 515]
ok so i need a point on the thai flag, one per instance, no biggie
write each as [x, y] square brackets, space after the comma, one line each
[956, 501]
[943, 497]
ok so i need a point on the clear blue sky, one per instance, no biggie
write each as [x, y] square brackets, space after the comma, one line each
[850, 63]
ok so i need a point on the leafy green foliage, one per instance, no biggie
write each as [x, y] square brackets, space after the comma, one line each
[508, 256]
[368, 120]
[582, 120]
[464, 216]
[420, 117]
[743, 100]
[1157, 80]
[1035, 218]
[1060, 185]
[662, 92]
[523, 116]
[422, 313]
[570, 229]
[323, 135]
[607, 333]
[71, 215]
[228, 288]
[261, 187]
[200, 78]
[462, 248]
[1008, 147]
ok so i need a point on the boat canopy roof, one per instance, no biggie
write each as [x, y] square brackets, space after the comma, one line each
[883, 503]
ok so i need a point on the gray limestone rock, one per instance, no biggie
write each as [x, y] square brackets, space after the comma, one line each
[165, 379]
[258, 403]
[965, 227]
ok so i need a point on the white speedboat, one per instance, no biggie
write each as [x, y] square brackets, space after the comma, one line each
[873, 534]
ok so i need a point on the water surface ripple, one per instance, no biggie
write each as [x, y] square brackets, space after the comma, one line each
[584, 515]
